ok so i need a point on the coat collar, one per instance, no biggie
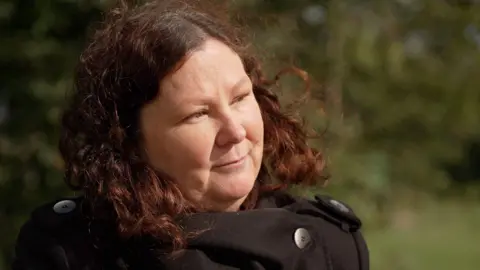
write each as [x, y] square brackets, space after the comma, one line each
[264, 234]
[268, 224]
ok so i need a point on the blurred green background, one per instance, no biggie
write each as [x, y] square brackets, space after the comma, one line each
[397, 88]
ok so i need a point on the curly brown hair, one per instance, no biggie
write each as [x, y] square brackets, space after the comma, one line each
[118, 73]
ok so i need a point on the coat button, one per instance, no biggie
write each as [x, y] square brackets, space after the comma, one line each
[64, 207]
[301, 238]
[340, 206]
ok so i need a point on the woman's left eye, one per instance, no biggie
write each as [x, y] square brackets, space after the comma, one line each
[241, 97]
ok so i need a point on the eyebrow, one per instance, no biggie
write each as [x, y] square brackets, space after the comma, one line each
[240, 82]
[205, 99]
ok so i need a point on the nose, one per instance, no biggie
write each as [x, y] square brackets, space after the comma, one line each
[231, 131]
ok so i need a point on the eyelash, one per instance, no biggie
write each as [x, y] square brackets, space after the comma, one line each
[241, 97]
[197, 114]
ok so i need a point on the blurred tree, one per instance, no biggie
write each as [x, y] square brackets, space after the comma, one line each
[399, 80]
[40, 45]
[397, 83]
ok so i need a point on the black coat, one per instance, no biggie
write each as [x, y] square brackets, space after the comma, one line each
[282, 233]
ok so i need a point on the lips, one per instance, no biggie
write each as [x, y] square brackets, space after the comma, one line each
[231, 162]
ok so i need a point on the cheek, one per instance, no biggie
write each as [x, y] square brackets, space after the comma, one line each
[181, 150]
[253, 123]
[255, 131]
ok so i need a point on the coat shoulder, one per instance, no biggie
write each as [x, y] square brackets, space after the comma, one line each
[338, 210]
[57, 214]
[343, 215]
[54, 236]
[331, 209]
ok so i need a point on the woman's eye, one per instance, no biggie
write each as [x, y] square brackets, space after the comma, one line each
[240, 98]
[197, 115]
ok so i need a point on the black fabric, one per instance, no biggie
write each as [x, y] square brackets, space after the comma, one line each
[257, 239]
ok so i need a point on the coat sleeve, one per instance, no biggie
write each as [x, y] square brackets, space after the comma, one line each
[362, 248]
[36, 250]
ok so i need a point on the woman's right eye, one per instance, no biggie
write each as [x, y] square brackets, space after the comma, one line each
[196, 115]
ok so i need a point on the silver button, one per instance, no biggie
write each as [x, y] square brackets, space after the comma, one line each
[301, 238]
[64, 207]
[340, 206]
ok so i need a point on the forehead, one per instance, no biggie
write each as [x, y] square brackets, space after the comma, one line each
[211, 68]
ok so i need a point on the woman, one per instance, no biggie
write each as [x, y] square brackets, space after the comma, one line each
[181, 152]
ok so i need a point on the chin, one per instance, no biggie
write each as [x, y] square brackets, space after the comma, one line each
[239, 188]
[234, 188]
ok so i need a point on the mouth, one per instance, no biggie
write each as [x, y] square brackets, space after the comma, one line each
[231, 163]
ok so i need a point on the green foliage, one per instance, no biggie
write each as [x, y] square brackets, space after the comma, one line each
[40, 44]
[404, 72]
[396, 84]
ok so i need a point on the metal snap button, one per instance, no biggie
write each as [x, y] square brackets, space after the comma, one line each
[64, 207]
[302, 238]
[340, 206]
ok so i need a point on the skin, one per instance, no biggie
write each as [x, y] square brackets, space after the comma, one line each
[205, 129]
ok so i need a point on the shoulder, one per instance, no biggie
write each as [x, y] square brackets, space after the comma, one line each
[58, 214]
[341, 228]
[53, 218]
[325, 206]
[337, 210]
[347, 226]
[46, 239]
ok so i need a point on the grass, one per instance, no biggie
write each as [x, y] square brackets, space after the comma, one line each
[416, 232]
[440, 236]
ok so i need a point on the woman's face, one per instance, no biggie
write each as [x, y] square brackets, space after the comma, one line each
[205, 129]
